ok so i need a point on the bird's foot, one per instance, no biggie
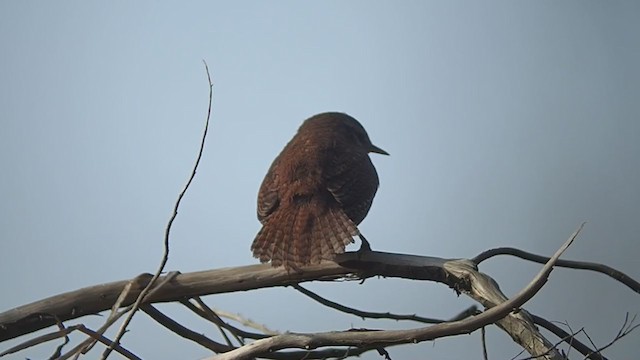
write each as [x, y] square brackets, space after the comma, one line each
[364, 246]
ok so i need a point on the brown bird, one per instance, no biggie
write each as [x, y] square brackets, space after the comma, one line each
[316, 192]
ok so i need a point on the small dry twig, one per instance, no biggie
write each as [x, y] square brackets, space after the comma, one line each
[165, 255]
[181, 330]
[626, 328]
[571, 264]
[483, 336]
[377, 315]
[567, 337]
[245, 322]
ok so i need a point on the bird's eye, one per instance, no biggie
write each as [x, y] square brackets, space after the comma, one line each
[355, 137]
[361, 138]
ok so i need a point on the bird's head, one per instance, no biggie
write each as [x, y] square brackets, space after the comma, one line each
[340, 128]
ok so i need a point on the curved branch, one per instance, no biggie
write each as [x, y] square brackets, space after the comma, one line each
[394, 337]
[186, 333]
[377, 315]
[165, 255]
[218, 347]
[209, 315]
[94, 299]
[582, 265]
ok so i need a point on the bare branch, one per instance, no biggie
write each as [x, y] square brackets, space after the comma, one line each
[483, 336]
[245, 322]
[626, 328]
[394, 337]
[218, 348]
[206, 313]
[186, 333]
[165, 256]
[582, 265]
[214, 318]
[373, 315]
[568, 338]
[95, 299]
[39, 340]
[118, 348]
[363, 314]
[115, 315]
[58, 350]
[64, 332]
[459, 274]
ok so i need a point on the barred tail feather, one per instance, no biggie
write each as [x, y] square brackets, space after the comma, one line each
[302, 236]
[345, 230]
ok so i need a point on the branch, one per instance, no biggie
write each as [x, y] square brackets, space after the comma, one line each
[568, 338]
[206, 313]
[376, 315]
[186, 333]
[582, 265]
[458, 274]
[217, 347]
[245, 321]
[626, 328]
[63, 333]
[394, 337]
[165, 256]
[95, 299]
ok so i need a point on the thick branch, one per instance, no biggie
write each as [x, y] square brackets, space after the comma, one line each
[91, 300]
[459, 274]
[94, 299]
[394, 337]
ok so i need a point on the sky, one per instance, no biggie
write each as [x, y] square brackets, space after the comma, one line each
[508, 124]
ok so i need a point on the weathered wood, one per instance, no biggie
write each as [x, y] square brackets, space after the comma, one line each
[460, 274]
[94, 299]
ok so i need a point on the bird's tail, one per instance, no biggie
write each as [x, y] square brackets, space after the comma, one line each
[302, 236]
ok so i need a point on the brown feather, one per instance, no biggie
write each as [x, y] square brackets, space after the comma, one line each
[315, 193]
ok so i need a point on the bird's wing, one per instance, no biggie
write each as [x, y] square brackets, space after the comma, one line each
[268, 198]
[353, 183]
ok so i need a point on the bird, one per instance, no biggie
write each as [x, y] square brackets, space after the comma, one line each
[316, 192]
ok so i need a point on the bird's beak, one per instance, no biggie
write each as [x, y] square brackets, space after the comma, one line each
[377, 150]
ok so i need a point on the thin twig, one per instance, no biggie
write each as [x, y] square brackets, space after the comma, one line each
[165, 256]
[367, 314]
[181, 330]
[483, 336]
[566, 337]
[87, 344]
[245, 321]
[626, 328]
[572, 337]
[58, 350]
[39, 340]
[114, 314]
[206, 313]
[571, 264]
[64, 332]
[121, 350]
[218, 322]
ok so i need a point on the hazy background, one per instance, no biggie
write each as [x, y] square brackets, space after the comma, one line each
[508, 124]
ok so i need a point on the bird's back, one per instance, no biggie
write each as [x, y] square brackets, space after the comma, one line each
[313, 196]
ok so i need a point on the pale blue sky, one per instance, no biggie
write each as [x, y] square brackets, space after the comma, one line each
[508, 123]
